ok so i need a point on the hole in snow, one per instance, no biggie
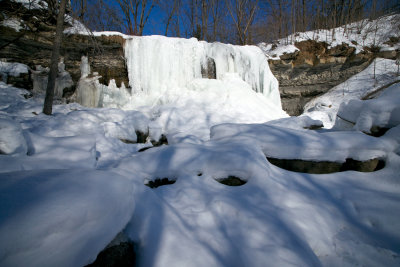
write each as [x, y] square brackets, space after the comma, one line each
[231, 181]
[121, 254]
[145, 148]
[324, 167]
[160, 182]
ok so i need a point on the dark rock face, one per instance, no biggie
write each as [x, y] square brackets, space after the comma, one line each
[315, 69]
[324, 167]
[34, 46]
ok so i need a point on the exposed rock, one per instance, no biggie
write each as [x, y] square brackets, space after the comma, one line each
[314, 70]
[231, 181]
[119, 253]
[323, 167]
[160, 182]
[22, 81]
[141, 137]
[33, 47]
[209, 70]
[162, 141]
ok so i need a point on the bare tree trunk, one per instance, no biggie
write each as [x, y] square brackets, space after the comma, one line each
[304, 16]
[48, 102]
[171, 11]
[293, 20]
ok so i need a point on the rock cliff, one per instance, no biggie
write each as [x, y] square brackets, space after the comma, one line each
[32, 46]
[315, 69]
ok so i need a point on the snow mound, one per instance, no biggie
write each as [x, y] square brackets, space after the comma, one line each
[382, 112]
[286, 143]
[377, 74]
[60, 218]
[12, 140]
[12, 68]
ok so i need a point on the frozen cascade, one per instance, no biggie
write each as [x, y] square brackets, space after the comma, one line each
[157, 64]
[185, 86]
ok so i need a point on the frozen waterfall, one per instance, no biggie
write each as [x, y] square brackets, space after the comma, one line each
[185, 86]
[157, 64]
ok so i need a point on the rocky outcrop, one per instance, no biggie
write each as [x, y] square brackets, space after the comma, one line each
[324, 167]
[33, 47]
[315, 69]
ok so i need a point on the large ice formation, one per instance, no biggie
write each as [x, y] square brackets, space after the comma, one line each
[160, 67]
[157, 64]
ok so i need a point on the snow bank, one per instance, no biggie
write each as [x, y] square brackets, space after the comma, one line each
[286, 143]
[12, 140]
[382, 112]
[12, 68]
[12, 23]
[325, 107]
[293, 219]
[60, 218]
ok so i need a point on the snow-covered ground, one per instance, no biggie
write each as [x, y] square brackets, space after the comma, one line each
[70, 182]
[68, 185]
[364, 33]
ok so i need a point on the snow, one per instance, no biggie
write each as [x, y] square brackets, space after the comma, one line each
[60, 218]
[285, 143]
[32, 4]
[364, 33]
[383, 112]
[75, 185]
[12, 68]
[12, 140]
[12, 23]
[325, 107]
[77, 27]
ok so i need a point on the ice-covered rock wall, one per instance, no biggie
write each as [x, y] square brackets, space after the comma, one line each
[157, 64]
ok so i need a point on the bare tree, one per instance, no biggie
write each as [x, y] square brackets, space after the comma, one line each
[242, 13]
[171, 9]
[48, 102]
[136, 13]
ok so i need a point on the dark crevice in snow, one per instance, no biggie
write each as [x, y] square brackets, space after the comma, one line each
[377, 131]
[120, 255]
[231, 181]
[324, 167]
[145, 148]
[141, 137]
[162, 141]
[160, 182]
